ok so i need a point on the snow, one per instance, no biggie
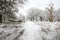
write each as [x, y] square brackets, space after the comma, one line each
[40, 31]
[31, 31]
[48, 30]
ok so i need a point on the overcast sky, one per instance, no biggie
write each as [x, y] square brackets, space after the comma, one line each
[41, 4]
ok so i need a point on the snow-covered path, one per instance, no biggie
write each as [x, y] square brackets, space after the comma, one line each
[32, 31]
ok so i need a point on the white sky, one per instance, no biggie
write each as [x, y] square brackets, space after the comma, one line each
[41, 4]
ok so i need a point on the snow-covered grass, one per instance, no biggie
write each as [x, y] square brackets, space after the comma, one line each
[30, 31]
[49, 30]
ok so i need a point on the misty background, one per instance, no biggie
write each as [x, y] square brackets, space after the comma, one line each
[41, 4]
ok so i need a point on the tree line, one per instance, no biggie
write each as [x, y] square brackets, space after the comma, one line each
[9, 7]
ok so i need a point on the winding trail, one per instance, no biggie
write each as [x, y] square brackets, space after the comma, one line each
[32, 31]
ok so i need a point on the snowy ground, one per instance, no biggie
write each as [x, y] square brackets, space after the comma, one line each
[30, 31]
[50, 30]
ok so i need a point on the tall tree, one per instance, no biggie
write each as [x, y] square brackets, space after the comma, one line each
[51, 12]
[9, 7]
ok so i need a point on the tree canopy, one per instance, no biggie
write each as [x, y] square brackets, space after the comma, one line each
[8, 7]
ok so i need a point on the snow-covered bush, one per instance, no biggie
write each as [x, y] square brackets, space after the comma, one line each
[10, 31]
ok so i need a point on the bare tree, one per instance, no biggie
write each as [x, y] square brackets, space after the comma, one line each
[51, 12]
[36, 14]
